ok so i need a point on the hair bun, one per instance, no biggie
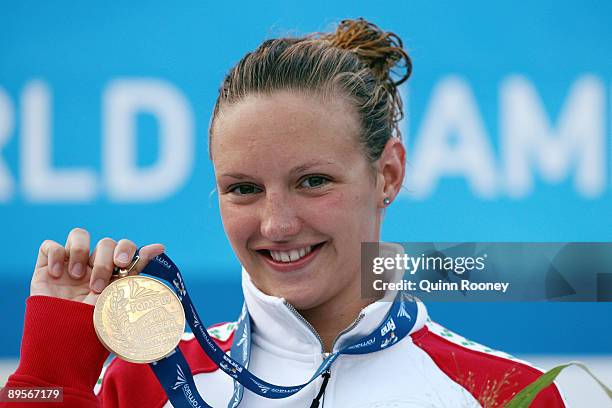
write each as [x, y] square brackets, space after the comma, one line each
[381, 51]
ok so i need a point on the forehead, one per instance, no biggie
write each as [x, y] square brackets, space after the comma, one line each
[285, 127]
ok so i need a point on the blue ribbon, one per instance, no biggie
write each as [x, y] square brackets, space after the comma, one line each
[174, 373]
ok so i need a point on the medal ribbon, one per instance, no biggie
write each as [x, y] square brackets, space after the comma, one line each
[174, 373]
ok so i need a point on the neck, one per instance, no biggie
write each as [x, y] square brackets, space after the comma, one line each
[332, 317]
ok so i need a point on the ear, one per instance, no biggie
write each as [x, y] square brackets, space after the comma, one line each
[391, 170]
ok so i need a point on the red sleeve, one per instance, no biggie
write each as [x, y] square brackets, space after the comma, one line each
[59, 348]
[492, 380]
[135, 385]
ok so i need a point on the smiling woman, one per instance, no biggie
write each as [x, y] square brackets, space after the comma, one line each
[307, 155]
[307, 186]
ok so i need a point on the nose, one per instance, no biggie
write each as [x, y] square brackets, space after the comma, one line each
[279, 221]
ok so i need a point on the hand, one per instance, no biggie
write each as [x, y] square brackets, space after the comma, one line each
[70, 272]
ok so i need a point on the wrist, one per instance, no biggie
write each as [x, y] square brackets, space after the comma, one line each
[59, 343]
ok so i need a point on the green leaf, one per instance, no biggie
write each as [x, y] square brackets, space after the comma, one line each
[524, 398]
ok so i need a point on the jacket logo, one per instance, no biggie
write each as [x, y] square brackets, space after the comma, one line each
[389, 326]
[196, 322]
[180, 286]
[180, 378]
[391, 340]
[243, 338]
[264, 389]
[162, 262]
[229, 370]
[181, 382]
[402, 312]
[363, 344]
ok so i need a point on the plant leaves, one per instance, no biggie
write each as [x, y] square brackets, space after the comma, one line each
[524, 398]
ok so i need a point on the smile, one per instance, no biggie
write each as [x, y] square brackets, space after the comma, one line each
[290, 256]
[290, 259]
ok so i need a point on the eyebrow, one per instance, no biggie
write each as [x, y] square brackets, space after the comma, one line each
[308, 165]
[296, 169]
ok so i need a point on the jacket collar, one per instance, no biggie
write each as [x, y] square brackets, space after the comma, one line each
[277, 325]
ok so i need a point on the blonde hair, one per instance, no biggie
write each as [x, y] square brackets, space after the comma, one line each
[357, 59]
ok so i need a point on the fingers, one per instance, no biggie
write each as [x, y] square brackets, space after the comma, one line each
[74, 257]
[57, 259]
[103, 264]
[108, 254]
[147, 253]
[124, 252]
[53, 255]
[77, 248]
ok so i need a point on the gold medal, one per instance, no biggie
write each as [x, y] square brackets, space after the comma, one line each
[139, 318]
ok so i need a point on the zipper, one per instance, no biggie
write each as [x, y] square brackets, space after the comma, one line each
[348, 329]
[323, 353]
[312, 329]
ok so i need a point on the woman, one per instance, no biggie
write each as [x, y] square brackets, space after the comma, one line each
[307, 154]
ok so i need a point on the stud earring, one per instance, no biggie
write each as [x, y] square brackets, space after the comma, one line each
[386, 201]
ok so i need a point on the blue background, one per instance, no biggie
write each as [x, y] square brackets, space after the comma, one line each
[78, 49]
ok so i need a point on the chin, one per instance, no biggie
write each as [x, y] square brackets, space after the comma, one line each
[300, 297]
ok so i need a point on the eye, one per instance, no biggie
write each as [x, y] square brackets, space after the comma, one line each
[314, 181]
[244, 189]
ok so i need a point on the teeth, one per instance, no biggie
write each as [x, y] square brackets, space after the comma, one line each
[290, 256]
[294, 255]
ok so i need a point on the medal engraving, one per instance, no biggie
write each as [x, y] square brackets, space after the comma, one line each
[139, 319]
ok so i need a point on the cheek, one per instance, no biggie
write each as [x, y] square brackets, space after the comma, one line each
[239, 224]
[350, 214]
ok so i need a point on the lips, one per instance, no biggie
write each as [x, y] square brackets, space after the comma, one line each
[291, 255]
[289, 260]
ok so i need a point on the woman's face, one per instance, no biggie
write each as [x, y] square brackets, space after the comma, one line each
[296, 194]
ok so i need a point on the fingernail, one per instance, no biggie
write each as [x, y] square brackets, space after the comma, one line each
[57, 269]
[123, 257]
[77, 270]
[98, 285]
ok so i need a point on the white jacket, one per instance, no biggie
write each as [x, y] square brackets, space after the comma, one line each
[415, 372]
